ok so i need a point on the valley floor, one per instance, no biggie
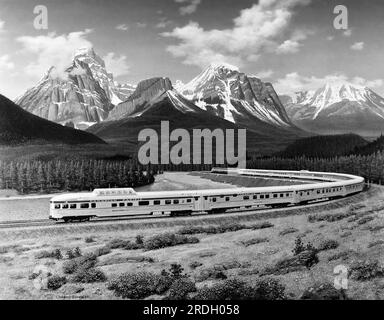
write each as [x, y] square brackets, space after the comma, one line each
[243, 254]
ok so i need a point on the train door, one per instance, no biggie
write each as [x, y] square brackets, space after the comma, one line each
[199, 203]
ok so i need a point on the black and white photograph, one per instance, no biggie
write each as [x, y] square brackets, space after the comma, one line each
[180, 152]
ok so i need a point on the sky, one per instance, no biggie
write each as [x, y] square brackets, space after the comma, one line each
[291, 43]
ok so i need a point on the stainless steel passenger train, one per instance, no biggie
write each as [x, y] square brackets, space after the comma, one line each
[127, 202]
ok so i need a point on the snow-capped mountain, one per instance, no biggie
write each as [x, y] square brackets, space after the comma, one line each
[338, 108]
[225, 91]
[84, 95]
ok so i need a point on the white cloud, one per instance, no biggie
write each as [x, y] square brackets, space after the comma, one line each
[6, 63]
[116, 65]
[122, 27]
[358, 46]
[2, 23]
[189, 7]
[264, 74]
[330, 38]
[53, 50]
[141, 25]
[347, 33]
[294, 82]
[288, 46]
[257, 29]
[163, 23]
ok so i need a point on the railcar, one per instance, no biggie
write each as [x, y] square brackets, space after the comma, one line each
[119, 202]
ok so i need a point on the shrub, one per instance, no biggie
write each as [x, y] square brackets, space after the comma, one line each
[328, 244]
[55, 282]
[176, 270]
[329, 217]
[323, 291]
[375, 243]
[365, 270]
[56, 254]
[180, 288]
[233, 289]
[254, 241]
[89, 275]
[365, 220]
[139, 285]
[139, 239]
[262, 225]
[73, 253]
[84, 262]
[288, 231]
[89, 240]
[213, 229]
[167, 240]
[307, 259]
[195, 264]
[300, 247]
[102, 251]
[118, 243]
[340, 255]
[211, 273]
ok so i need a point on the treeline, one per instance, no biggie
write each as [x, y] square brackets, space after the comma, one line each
[371, 167]
[75, 175]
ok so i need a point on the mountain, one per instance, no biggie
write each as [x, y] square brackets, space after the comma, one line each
[84, 94]
[19, 126]
[324, 146]
[232, 95]
[372, 147]
[338, 108]
[146, 91]
[155, 100]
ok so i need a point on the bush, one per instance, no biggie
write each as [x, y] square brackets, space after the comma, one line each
[73, 253]
[102, 251]
[89, 275]
[180, 289]
[211, 273]
[262, 225]
[139, 285]
[307, 259]
[55, 282]
[56, 254]
[168, 240]
[84, 262]
[329, 217]
[233, 289]
[375, 243]
[253, 241]
[328, 244]
[212, 229]
[365, 270]
[139, 239]
[118, 243]
[340, 255]
[89, 240]
[365, 220]
[195, 264]
[288, 231]
[300, 247]
[323, 291]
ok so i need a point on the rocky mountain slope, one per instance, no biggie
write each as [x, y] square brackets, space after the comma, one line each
[232, 95]
[19, 126]
[84, 95]
[338, 108]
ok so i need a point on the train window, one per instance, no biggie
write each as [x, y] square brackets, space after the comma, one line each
[254, 196]
[156, 202]
[307, 193]
[226, 198]
[266, 196]
[213, 199]
[246, 197]
[129, 204]
[287, 194]
[72, 206]
[175, 201]
[84, 205]
[65, 206]
[281, 195]
[93, 205]
[275, 195]
[189, 200]
[143, 203]
[114, 205]
[57, 206]
[168, 201]
[121, 204]
[261, 196]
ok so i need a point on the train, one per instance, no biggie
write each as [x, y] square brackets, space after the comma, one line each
[123, 202]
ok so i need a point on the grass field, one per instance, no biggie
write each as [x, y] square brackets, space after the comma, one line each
[355, 225]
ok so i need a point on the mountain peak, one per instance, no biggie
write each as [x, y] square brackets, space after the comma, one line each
[223, 65]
